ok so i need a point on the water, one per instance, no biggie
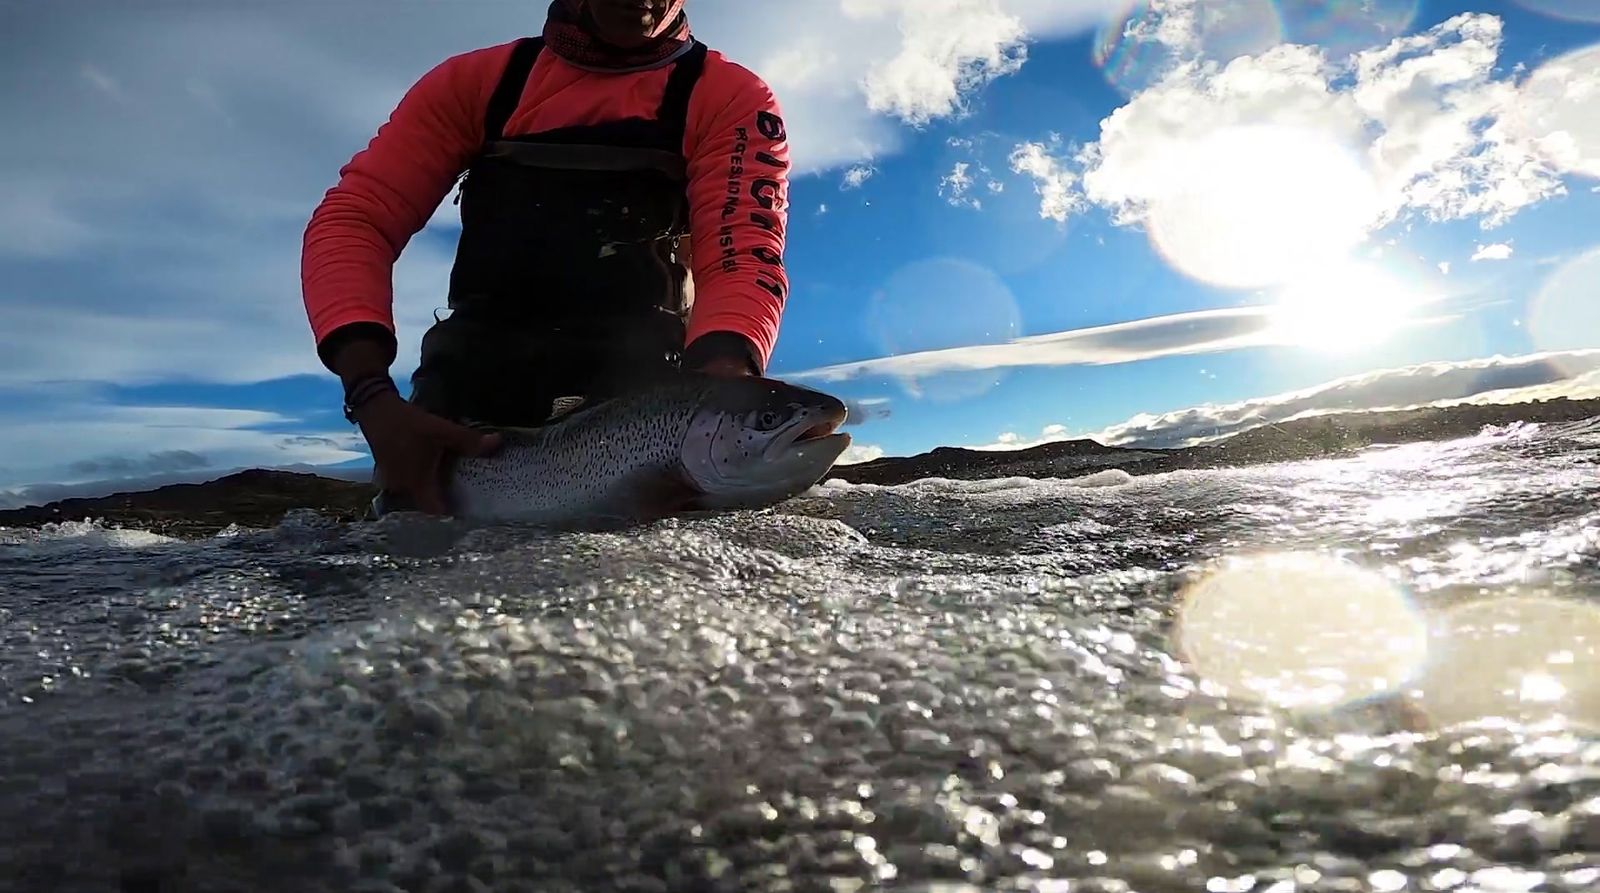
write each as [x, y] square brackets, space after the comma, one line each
[1372, 673]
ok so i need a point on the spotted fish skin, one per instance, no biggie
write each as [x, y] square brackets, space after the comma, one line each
[683, 442]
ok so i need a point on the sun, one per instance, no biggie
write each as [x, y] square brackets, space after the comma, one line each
[1346, 308]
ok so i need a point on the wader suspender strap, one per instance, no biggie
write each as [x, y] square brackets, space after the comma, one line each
[512, 83]
[673, 115]
[674, 112]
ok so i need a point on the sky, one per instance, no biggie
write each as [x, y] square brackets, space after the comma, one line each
[1011, 221]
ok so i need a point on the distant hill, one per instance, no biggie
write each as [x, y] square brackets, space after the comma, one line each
[259, 498]
[1308, 438]
[256, 498]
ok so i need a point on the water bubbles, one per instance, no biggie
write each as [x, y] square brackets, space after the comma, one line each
[1571, 10]
[1300, 630]
[943, 303]
[767, 701]
[1150, 38]
[1522, 659]
[1566, 313]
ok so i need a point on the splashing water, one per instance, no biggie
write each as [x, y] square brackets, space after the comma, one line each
[1374, 672]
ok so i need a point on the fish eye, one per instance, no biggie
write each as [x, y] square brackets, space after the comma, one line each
[768, 419]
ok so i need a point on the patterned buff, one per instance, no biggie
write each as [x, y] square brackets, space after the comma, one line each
[568, 33]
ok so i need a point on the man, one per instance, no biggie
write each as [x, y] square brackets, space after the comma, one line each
[623, 195]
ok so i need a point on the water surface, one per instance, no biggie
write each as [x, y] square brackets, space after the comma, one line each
[1370, 673]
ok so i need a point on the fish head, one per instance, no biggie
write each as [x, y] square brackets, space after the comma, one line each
[754, 442]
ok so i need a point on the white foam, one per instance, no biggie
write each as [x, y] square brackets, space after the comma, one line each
[1108, 478]
[82, 534]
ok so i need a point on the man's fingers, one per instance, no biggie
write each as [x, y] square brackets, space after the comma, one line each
[430, 496]
[485, 445]
[464, 441]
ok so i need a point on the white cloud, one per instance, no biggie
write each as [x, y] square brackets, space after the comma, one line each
[1584, 386]
[1558, 109]
[1202, 331]
[1146, 41]
[1248, 172]
[1495, 379]
[1498, 251]
[1052, 181]
[84, 441]
[948, 50]
[177, 254]
[955, 185]
[1444, 267]
[871, 409]
[857, 175]
[1011, 440]
[857, 453]
[55, 344]
[850, 72]
[102, 82]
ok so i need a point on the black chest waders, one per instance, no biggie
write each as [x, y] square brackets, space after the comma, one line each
[567, 281]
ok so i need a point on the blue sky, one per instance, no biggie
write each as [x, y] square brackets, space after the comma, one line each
[993, 239]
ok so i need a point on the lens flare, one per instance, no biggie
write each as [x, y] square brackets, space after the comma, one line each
[1300, 631]
[1566, 313]
[1523, 659]
[1149, 38]
[1558, 108]
[1343, 27]
[1260, 205]
[941, 303]
[1345, 307]
[1571, 10]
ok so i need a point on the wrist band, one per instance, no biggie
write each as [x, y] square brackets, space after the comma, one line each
[358, 394]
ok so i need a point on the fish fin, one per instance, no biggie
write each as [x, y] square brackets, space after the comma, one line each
[515, 434]
[564, 406]
[657, 493]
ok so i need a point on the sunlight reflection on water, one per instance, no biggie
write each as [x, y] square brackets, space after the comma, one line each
[1310, 633]
[1527, 659]
[973, 684]
[1301, 630]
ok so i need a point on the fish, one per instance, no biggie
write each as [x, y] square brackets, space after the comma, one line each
[688, 442]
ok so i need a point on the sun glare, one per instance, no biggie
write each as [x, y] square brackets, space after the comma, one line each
[1349, 307]
[1257, 205]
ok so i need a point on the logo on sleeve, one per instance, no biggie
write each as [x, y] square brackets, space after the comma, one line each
[770, 126]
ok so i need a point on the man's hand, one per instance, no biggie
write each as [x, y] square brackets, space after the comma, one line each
[410, 446]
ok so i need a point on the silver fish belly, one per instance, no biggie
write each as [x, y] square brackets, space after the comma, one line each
[616, 461]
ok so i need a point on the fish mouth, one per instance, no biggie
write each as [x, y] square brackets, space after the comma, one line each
[812, 432]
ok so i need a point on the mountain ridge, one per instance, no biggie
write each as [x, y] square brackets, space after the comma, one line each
[261, 497]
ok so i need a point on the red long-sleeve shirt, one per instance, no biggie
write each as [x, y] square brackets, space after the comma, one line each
[737, 154]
